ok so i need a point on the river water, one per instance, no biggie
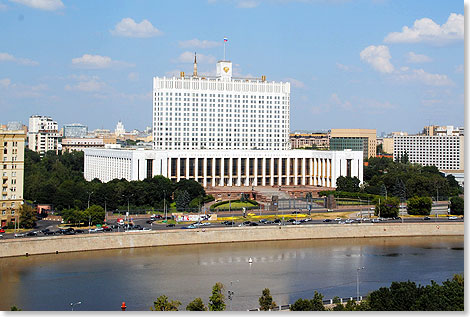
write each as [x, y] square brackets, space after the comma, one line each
[102, 280]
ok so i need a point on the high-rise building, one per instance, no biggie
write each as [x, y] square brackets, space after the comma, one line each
[221, 112]
[364, 140]
[445, 151]
[223, 131]
[12, 173]
[43, 134]
[75, 130]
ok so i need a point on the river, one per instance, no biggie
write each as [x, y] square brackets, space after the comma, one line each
[102, 280]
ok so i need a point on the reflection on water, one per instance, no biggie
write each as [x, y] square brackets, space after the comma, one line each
[101, 280]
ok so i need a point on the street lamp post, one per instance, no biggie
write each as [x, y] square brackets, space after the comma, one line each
[73, 304]
[357, 284]
[230, 207]
[89, 195]
[231, 293]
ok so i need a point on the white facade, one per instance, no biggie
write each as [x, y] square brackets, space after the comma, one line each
[222, 112]
[445, 152]
[226, 168]
[119, 129]
[43, 134]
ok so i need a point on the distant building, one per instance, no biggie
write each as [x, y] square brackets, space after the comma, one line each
[79, 144]
[119, 129]
[12, 172]
[364, 140]
[309, 140]
[43, 134]
[434, 130]
[75, 130]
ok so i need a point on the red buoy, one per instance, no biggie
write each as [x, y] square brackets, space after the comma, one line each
[123, 306]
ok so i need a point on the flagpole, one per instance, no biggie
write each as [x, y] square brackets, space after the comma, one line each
[224, 49]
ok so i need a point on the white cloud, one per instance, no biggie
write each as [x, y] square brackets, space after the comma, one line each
[426, 30]
[459, 68]
[247, 4]
[420, 75]
[127, 27]
[91, 85]
[199, 44]
[5, 57]
[347, 68]
[379, 57]
[412, 57]
[188, 57]
[96, 62]
[48, 5]
[133, 76]
[336, 101]
[5, 82]
[296, 83]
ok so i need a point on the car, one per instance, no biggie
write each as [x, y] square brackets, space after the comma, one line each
[307, 219]
[69, 232]
[269, 222]
[277, 221]
[295, 212]
[205, 224]
[349, 221]
[137, 227]
[253, 224]
[396, 218]
[1, 236]
[263, 221]
[338, 219]
[189, 227]
[358, 219]
[452, 218]
[427, 218]
[19, 235]
[295, 222]
[365, 219]
[2, 230]
[107, 229]
[229, 223]
[170, 225]
[45, 230]
[246, 223]
[79, 231]
[49, 233]
[291, 220]
[327, 220]
[149, 221]
[224, 222]
[146, 229]
[32, 234]
[60, 231]
[375, 220]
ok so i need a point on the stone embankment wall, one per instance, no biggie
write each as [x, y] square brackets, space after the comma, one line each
[102, 241]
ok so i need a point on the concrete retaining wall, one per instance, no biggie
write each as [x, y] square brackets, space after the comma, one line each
[101, 241]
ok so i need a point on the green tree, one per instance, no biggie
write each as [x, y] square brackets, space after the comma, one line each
[15, 308]
[387, 208]
[217, 299]
[96, 214]
[457, 205]
[182, 200]
[301, 305]
[266, 300]
[196, 305]
[163, 304]
[27, 217]
[419, 205]
[347, 184]
[317, 302]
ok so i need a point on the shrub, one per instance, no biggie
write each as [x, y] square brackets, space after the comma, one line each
[419, 205]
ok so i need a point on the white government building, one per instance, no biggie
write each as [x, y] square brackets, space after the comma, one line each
[223, 131]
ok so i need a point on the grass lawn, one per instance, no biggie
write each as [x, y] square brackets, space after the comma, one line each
[235, 205]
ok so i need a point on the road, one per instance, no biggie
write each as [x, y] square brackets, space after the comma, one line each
[52, 225]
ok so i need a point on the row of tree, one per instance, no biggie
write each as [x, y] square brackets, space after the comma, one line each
[400, 296]
[58, 180]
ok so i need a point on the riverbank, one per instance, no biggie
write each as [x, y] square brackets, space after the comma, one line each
[116, 240]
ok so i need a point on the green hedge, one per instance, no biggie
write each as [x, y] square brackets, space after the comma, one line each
[340, 194]
[255, 203]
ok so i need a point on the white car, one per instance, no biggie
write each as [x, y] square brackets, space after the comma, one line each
[453, 218]
[206, 224]
[307, 219]
[338, 219]
[296, 222]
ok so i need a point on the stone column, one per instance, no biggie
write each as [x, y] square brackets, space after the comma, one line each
[310, 161]
[288, 171]
[169, 167]
[213, 170]
[263, 171]
[204, 170]
[239, 171]
[222, 166]
[186, 168]
[178, 168]
[230, 171]
[279, 171]
[255, 181]
[303, 170]
[196, 168]
[296, 168]
[271, 178]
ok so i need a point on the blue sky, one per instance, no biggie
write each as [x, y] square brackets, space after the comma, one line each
[389, 65]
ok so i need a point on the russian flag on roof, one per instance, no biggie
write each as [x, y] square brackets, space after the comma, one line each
[225, 39]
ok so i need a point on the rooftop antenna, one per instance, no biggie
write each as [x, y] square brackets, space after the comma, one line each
[225, 41]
